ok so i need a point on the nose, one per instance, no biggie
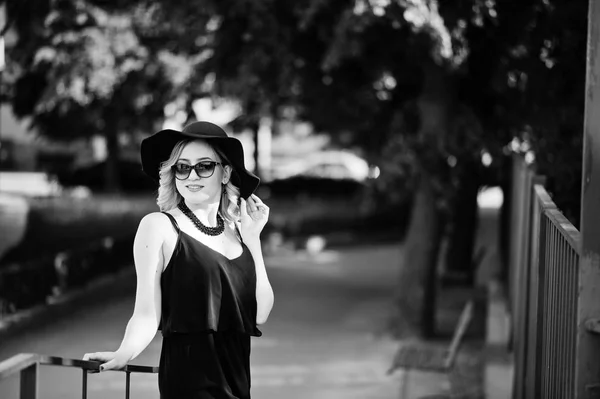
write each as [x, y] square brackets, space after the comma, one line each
[194, 175]
[195, 172]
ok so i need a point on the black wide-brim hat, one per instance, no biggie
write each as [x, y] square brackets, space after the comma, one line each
[158, 147]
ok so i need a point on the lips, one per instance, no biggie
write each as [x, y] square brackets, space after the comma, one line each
[194, 187]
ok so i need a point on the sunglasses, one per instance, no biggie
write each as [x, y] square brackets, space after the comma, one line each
[203, 169]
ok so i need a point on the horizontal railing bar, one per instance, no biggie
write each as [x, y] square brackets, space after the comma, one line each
[23, 360]
[565, 228]
[59, 361]
[543, 198]
[92, 365]
[134, 368]
[17, 363]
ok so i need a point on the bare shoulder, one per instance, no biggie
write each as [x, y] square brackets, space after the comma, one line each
[154, 225]
[155, 219]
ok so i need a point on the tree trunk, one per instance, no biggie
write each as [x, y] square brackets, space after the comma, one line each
[417, 289]
[417, 286]
[111, 171]
[461, 245]
[255, 127]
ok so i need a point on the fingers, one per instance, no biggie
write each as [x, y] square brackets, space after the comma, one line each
[93, 357]
[106, 358]
[99, 356]
[244, 207]
[256, 204]
[251, 205]
[111, 365]
[254, 208]
[256, 199]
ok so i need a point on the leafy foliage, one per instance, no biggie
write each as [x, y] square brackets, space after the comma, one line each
[351, 68]
[80, 69]
[525, 79]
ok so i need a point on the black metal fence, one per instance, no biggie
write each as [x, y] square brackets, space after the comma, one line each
[28, 365]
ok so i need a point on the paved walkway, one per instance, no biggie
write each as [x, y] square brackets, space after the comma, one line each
[323, 340]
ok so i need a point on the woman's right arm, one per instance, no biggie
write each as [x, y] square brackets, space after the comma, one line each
[143, 324]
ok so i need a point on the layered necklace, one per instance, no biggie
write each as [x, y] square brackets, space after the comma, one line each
[211, 231]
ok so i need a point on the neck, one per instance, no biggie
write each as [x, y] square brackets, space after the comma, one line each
[207, 213]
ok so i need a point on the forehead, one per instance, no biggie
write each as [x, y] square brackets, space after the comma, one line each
[197, 149]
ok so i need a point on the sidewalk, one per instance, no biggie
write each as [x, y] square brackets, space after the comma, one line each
[325, 338]
[499, 368]
[340, 354]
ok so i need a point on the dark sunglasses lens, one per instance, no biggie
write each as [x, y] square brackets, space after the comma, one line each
[205, 169]
[182, 171]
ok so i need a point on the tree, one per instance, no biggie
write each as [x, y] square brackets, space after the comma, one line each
[344, 78]
[327, 62]
[526, 80]
[79, 69]
[455, 83]
[429, 88]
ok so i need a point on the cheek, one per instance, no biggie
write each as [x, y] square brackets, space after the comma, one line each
[180, 188]
[215, 183]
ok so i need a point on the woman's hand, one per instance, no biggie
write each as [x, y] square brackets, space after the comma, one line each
[254, 217]
[109, 360]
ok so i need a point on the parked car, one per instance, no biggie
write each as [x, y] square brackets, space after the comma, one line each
[330, 164]
[321, 174]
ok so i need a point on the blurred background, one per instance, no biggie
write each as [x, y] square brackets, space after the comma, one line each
[384, 133]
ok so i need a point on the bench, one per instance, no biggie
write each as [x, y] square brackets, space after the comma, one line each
[434, 359]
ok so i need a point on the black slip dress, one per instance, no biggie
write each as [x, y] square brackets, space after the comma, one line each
[208, 317]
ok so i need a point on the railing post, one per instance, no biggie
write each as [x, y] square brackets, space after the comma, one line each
[84, 384]
[29, 382]
[542, 337]
[533, 284]
[588, 345]
[27, 365]
[517, 203]
[521, 282]
[127, 384]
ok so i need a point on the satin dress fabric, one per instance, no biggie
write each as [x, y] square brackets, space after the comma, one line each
[208, 316]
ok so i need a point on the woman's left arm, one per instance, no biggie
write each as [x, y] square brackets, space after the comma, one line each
[254, 216]
[264, 292]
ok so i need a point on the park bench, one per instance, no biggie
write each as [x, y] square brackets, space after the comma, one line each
[27, 364]
[421, 357]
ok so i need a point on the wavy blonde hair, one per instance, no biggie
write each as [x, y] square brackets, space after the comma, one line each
[169, 197]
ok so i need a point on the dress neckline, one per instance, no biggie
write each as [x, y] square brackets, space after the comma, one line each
[215, 251]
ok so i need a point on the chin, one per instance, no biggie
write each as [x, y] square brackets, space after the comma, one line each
[198, 198]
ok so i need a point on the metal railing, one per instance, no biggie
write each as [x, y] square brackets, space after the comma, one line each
[28, 364]
[559, 250]
[544, 284]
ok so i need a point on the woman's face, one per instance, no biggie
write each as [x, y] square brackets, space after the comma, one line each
[196, 189]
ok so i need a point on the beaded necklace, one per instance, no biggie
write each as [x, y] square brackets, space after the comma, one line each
[211, 231]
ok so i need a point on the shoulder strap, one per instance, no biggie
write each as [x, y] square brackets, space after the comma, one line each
[173, 221]
[237, 230]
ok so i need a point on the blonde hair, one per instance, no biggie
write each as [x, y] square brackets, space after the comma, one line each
[169, 197]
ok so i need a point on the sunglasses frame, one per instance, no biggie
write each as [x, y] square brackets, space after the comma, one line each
[195, 169]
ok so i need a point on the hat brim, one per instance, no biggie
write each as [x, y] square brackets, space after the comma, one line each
[157, 148]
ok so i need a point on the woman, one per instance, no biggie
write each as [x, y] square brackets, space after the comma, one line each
[201, 277]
